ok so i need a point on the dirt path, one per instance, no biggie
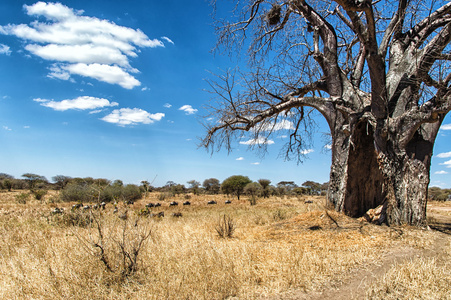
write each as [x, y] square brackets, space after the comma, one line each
[356, 283]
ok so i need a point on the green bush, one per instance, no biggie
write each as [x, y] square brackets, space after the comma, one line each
[22, 198]
[111, 193]
[131, 192]
[74, 192]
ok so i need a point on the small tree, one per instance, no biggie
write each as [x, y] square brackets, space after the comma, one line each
[265, 187]
[253, 189]
[211, 185]
[285, 187]
[194, 186]
[6, 181]
[146, 187]
[235, 185]
[33, 180]
[61, 181]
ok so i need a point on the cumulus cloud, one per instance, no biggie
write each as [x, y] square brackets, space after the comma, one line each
[81, 103]
[131, 116]
[328, 146]
[446, 127]
[444, 155]
[83, 45]
[258, 141]
[167, 105]
[240, 158]
[441, 172]
[188, 109]
[447, 164]
[4, 49]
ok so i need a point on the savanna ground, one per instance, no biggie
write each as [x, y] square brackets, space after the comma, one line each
[282, 248]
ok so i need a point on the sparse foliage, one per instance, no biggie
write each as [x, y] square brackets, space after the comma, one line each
[118, 247]
[225, 227]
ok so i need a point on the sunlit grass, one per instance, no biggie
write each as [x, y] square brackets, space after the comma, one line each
[280, 244]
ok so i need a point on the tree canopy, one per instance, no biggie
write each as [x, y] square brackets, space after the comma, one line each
[235, 185]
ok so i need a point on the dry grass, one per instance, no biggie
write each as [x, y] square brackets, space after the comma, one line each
[421, 278]
[278, 245]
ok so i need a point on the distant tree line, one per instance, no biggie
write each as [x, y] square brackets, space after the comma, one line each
[104, 190]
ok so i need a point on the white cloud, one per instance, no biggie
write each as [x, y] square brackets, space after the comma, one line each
[307, 151]
[85, 46]
[328, 146]
[4, 49]
[240, 158]
[444, 155]
[132, 116]
[82, 103]
[106, 73]
[188, 109]
[145, 89]
[87, 54]
[446, 127]
[7, 128]
[255, 163]
[167, 39]
[167, 105]
[282, 125]
[58, 73]
[55, 11]
[258, 141]
[441, 172]
[446, 163]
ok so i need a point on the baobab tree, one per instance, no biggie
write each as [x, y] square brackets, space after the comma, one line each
[377, 71]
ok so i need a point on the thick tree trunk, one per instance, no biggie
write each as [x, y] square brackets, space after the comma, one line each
[406, 173]
[365, 181]
[362, 178]
[356, 183]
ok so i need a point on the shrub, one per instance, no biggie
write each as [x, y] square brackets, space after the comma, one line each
[253, 189]
[131, 192]
[39, 194]
[117, 247]
[111, 193]
[22, 198]
[164, 196]
[279, 215]
[226, 227]
[74, 192]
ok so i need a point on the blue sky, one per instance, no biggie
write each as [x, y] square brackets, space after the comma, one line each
[114, 89]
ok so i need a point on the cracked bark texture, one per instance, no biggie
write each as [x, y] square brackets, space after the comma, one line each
[377, 71]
